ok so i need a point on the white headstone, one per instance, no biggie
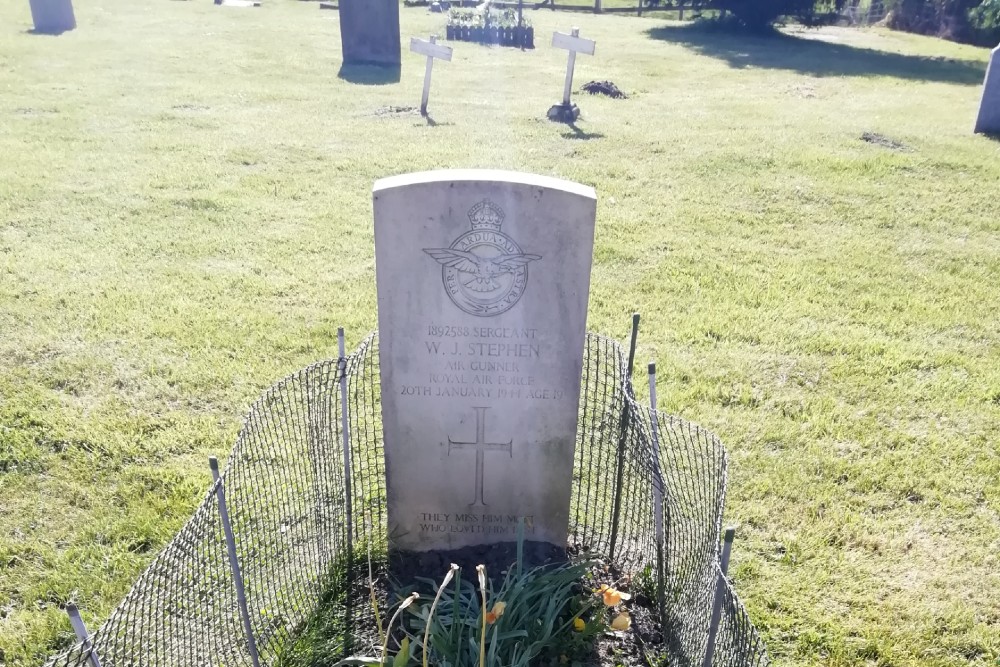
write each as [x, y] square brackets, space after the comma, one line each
[483, 280]
[988, 120]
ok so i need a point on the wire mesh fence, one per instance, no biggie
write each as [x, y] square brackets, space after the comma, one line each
[302, 492]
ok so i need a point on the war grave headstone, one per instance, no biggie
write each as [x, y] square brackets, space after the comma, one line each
[483, 280]
[52, 17]
[568, 112]
[369, 32]
[988, 120]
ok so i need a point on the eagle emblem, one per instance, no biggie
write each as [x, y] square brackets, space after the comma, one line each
[484, 271]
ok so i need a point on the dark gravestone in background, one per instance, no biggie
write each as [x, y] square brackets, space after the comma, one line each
[369, 32]
[52, 17]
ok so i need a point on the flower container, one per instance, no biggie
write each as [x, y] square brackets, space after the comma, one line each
[500, 29]
[528, 40]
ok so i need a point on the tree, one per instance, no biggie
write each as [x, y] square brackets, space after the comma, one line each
[974, 21]
[986, 17]
[761, 15]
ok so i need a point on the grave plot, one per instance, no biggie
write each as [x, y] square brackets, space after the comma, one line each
[482, 425]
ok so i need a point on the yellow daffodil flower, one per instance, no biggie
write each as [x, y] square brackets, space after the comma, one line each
[496, 612]
[579, 624]
[621, 622]
[612, 596]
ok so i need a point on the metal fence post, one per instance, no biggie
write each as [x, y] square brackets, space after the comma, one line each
[346, 439]
[658, 482]
[622, 429]
[80, 630]
[713, 628]
[234, 563]
[727, 550]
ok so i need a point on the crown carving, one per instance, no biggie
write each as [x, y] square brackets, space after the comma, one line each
[486, 215]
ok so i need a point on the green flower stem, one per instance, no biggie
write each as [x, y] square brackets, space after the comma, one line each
[430, 614]
[406, 603]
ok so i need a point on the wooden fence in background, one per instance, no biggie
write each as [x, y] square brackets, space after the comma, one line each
[682, 10]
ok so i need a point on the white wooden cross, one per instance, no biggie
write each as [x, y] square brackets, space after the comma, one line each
[572, 43]
[432, 50]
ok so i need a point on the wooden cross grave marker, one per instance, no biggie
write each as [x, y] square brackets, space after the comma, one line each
[567, 111]
[432, 50]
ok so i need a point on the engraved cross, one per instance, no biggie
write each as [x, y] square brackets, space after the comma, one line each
[481, 447]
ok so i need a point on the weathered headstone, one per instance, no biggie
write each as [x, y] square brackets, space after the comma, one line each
[369, 32]
[432, 50]
[988, 120]
[568, 112]
[483, 281]
[52, 17]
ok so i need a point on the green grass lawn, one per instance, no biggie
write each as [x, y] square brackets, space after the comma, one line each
[185, 217]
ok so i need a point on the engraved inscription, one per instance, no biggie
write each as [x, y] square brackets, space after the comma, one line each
[482, 362]
[484, 271]
[481, 447]
[487, 523]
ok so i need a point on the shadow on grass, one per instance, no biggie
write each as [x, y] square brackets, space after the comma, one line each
[341, 625]
[369, 75]
[816, 57]
[47, 33]
[579, 133]
[433, 123]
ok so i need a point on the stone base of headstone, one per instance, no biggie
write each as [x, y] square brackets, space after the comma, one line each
[369, 32]
[564, 113]
[988, 120]
[406, 566]
[52, 17]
